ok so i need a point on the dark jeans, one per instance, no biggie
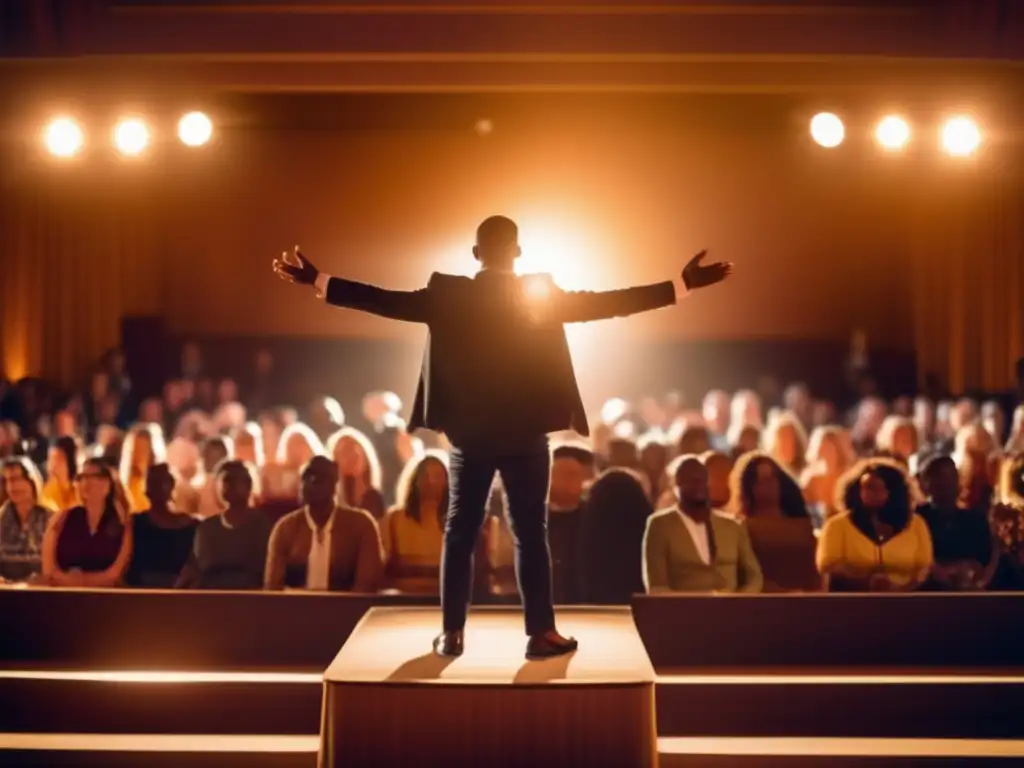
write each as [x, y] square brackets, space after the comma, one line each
[525, 476]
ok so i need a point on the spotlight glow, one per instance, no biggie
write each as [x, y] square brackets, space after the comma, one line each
[131, 137]
[960, 136]
[63, 137]
[827, 130]
[195, 129]
[892, 133]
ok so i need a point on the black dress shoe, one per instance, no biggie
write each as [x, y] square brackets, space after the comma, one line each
[448, 644]
[544, 647]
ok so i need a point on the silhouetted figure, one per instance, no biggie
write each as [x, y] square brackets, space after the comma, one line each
[496, 379]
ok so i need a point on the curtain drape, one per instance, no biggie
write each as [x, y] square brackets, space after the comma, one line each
[967, 249]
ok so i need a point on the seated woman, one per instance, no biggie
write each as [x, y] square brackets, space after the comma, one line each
[230, 549]
[23, 521]
[977, 456]
[281, 479]
[611, 538]
[204, 499]
[768, 499]
[898, 438]
[162, 535]
[785, 441]
[90, 545]
[324, 546]
[359, 470]
[965, 558]
[143, 447]
[59, 492]
[827, 461]
[877, 543]
[413, 532]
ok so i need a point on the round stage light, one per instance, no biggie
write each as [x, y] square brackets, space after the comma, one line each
[960, 136]
[131, 137]
[195, 129]
[892, 133]
[827, 130]
[63, 137]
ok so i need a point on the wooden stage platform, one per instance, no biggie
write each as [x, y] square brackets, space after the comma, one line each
[389, 700]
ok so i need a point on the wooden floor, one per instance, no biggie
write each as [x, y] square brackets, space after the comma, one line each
[393, 645]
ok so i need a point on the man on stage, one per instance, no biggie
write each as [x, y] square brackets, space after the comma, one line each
[496, 379]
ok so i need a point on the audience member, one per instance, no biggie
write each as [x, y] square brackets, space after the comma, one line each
[359, 470]
[230, 549]
[691, 548]
[961, 539]
[205, 498]
[745, 409]
[715, 412]
[60, 491]
[162, 536]
[412, 533]
[769, 500]
[297, 446]
[143, 447]
[828, 457]
[976, 455]
[719, 467]
[611, 536]
[572, 468]
[325, 417]
[23, 521]
[653, 460]
[324, 546]
[785, 440]
[897, 438]
[877, 543]
[90, 545]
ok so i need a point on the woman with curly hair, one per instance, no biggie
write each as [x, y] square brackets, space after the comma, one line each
[877, 543]
[768, 499]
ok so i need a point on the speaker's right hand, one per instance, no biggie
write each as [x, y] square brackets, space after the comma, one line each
[296, 268]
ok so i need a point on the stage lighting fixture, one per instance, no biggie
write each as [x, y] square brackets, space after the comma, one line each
[960, 136]
[131, 136]
[892, 133]
[195, 129]
[827, 130]
[63, 137]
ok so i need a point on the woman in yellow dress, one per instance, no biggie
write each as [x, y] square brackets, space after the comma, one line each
[60, 491]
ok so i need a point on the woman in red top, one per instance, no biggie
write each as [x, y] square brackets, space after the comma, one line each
[90, 545]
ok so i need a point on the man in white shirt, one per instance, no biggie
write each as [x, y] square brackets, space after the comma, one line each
[691, 548]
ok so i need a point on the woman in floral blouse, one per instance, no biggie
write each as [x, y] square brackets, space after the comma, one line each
[23, 521]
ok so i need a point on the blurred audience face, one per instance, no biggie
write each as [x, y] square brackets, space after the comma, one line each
[213, 453]
[653, 458]
[904, 442]
[622, 453]
[823, 413]
[17, 487]
[787, 445]
[715, 411]
[64, 424]
[271, 436]
[349, 456]
[227, 391]
[746, 408]
[298, 451]
[766, 490]
[151, 411]
[797, 399]
[695, 440]
[246, 447]
[264, 363]
[941, 482]
[831, 453]
[175, 395]
[100, 387]
[994, 420]
[159, 485]
[691, 483]
[107, 412]
[962, 414]
[431, 481]
[205, 396]
[93, 484]
[142, 451]
[568, 477]
[319, 482]
[718, 466]
[924, 417]
[873, 493]
[749, 439]
[236, 486]
[903, 406]
[57, 466]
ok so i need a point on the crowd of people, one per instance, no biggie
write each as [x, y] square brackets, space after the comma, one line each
[201, 488]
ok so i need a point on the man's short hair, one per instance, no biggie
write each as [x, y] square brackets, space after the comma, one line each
[578, 453]
[497, 232]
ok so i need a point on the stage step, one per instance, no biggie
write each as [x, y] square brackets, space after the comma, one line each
[905, 704]
[88, 750]
[739, 752]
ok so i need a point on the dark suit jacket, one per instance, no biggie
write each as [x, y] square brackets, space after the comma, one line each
[497, 371]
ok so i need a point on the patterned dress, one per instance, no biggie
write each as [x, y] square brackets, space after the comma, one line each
[21, 546]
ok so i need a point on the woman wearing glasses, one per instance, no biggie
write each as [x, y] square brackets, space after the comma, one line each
[90, 545]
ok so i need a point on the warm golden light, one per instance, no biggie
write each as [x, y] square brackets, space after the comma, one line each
[960, 136]
[195, 129]
[892, 133]
[131, 137]
[827, 130]
[63, 137]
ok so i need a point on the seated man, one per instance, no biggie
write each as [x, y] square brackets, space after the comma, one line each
[690, 548]
[323, 546]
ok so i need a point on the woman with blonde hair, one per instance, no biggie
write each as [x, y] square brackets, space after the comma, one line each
[298, 444]
[59, 491]
[829, 454]
[90, 545]
[897, 438]
[1015, 442]
[977, 457]
[785, 440]
[413, 532]
[359, 471]
[143, 447]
